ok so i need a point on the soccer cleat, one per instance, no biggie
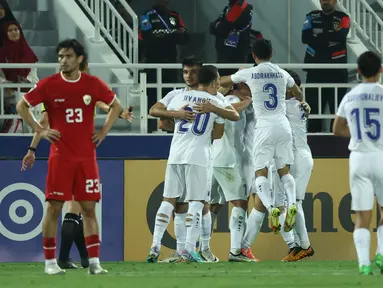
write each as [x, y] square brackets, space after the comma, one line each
[290, 257]
[379, 262]
[274, 218]
[239, 258]
[365, 270]
[304, 253]
[84, 262]
[66, 264]
[192, 257]
[290, 218]
[249, 254]
[153, 255]
[96, 269]
[174, 258]
[208, 256]
[53, 269]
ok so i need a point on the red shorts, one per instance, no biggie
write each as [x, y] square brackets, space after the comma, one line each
[72, 180]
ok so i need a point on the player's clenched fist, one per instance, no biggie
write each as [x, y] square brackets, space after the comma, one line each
[185, 114]
[98, 137]
[50, 135]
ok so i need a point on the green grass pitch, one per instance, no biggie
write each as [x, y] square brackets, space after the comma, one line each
[224, 274]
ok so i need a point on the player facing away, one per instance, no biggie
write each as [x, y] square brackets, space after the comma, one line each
[360, 116]
[273, 136]
[228, 176]
[70, 97]
[187, 169]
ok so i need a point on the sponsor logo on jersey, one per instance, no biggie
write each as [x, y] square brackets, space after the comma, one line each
[87, 99]
[59, 100]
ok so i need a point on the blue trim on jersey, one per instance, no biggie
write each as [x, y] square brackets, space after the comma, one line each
[310, 50]
[145, 24]
[308, 23]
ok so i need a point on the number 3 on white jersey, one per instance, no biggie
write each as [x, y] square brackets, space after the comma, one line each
[73, 115]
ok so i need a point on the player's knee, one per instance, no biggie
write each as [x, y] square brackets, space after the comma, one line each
[262, 172]
[258, 205]
[215, 208]
[240, 204]
[73, 207]
[181, 208]
[54, 208]
[206, 208]
[284, 171]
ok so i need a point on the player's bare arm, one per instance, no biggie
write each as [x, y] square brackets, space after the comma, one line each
[46, 133]
[227, 113]
[114, 111]
[29, 158]
[166, 125]
[297, 92]
[125, 114]
[340, 127]
[158, 110]
[224, 89]
[241, 106]
[307, 108]
[218, 131]
[226, 81]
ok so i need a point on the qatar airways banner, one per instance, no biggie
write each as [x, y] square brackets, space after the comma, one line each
[22, 203]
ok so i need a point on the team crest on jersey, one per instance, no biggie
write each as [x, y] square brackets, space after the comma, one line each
[336, 25]
[172, 21]
[87, 99]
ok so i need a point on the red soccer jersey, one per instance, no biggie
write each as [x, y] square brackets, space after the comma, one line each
[70, 106]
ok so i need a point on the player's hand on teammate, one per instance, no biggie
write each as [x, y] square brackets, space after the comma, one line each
[50, 135]
[206, 107]
[306, 107]
[127, 114]
[28, 161]
[185, 114]
[98, 137]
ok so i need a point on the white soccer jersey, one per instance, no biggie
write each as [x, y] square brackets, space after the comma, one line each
[363, 109]
[249, 132]
[192, 140]
[228, 150]
[168, 97]
[298, 122]
[267, 83]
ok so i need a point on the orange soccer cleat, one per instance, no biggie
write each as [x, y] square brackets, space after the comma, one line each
[249, 254]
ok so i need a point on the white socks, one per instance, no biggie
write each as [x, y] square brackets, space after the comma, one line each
[193, 225]
[263, 191]
[253, 226]
[289, 185]
[180, 231]
[162, 221]
[288, 237]
[379, 233]
[300, 227]
[237, 228]
[362, 240]
[205, 231]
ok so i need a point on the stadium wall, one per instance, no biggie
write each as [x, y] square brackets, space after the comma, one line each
[132, 170]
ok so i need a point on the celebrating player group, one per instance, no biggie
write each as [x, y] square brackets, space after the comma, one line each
[226, 149]
[247, 146]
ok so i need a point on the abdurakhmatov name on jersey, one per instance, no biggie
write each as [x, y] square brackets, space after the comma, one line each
[266, 75]
[365, 96]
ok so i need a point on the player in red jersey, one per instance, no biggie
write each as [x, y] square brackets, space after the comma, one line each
[70, 97]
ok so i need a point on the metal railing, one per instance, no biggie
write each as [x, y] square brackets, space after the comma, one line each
[365, 22]
[109, 22]
[159, 85]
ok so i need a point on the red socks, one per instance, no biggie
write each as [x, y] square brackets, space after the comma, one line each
[49, 245]
[93, 246]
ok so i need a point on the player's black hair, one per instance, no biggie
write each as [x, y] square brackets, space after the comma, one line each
[84, 63]
[295, 76]
[207, 74]
[192, 61]
[78, 49]
[369, 64]
[263, 49]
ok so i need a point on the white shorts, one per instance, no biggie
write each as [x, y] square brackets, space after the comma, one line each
[301, 171]
[187, 182]
[366, 180]
[273, 143]
[230, 183]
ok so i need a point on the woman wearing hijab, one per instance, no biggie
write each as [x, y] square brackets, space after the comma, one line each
[15, 50]
[6, 15]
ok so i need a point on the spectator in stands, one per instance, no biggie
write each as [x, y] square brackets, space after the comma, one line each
[325, 33]
[161, 30]
[232, 33]
[15, 50]
[5, 16]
